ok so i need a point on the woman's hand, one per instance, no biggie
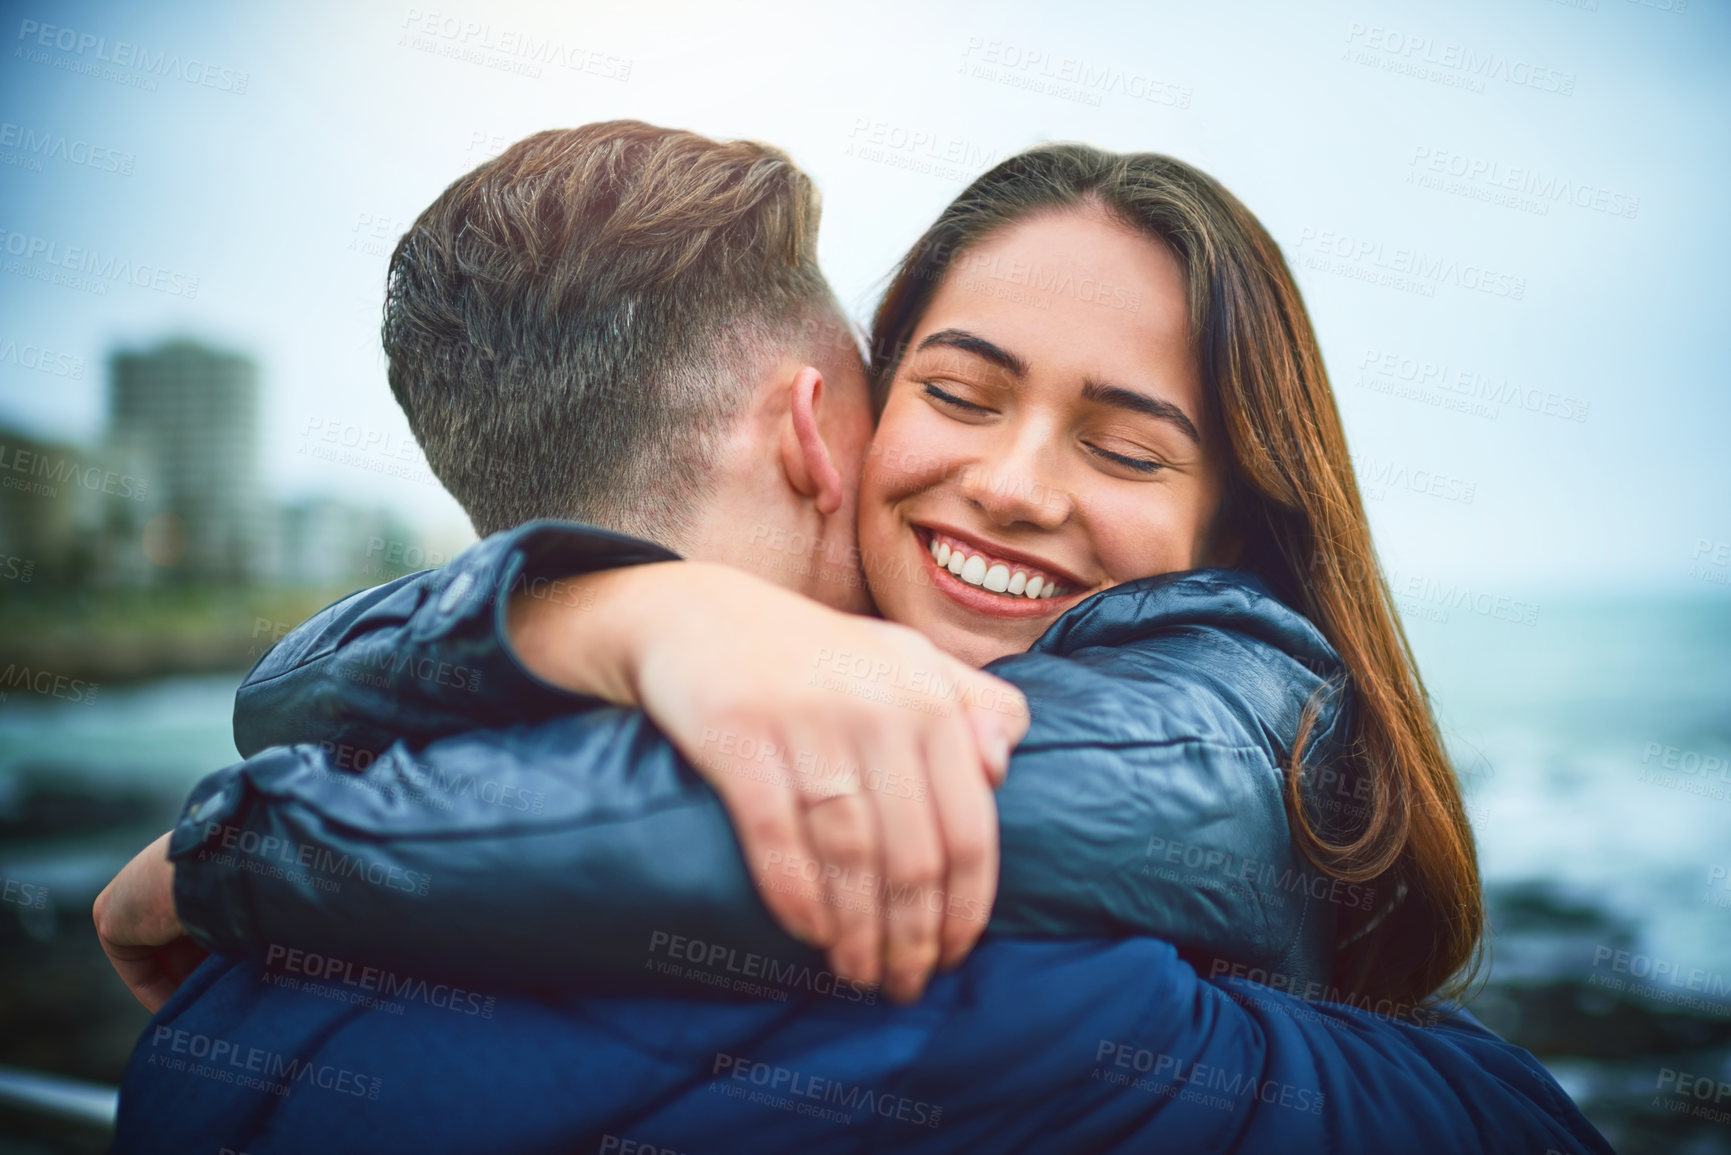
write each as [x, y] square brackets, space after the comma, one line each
[856, 760]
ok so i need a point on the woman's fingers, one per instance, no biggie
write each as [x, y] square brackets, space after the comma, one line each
[843, 829]
[772, 833]
[967, 817]
[873, 876]
[914, 864]
[998, 713]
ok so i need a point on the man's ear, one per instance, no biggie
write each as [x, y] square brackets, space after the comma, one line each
[804, 457]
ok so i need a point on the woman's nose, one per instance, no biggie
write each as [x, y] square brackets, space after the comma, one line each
[1014, 490]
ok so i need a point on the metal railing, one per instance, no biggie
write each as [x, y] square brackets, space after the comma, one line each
[58, 1097]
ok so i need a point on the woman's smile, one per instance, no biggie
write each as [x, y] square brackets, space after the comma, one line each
[993, 580]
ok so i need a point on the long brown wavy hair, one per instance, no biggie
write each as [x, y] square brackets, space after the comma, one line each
[1293, 501]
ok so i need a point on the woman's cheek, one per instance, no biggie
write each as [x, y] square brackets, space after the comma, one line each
[904, 465]
[917, 441]
[1133, 541]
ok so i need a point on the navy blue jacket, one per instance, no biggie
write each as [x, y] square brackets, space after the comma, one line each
[1082, 1045]
[1145, 799]
[1062, 1047]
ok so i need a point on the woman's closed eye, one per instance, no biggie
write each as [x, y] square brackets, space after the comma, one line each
[950, 400]
[1142, 465]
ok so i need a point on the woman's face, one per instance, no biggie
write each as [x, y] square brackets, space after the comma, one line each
[1044, 438]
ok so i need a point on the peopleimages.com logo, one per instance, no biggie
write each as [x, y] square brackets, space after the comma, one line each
[42, 359]
[91, 270]
[268, 853]
[367, 986]
[802, 1093]
[132, 64]
[255, 1068]
[35, 145]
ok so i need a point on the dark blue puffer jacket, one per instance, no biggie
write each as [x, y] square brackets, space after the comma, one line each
[1145, 799]
[1069, 1047]
[396, 909]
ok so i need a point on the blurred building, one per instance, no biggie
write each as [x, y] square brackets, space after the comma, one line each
[184, 421]
[322, 543]
[174, 495]
[51, 520]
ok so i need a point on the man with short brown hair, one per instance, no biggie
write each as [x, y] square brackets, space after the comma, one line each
[574, 327]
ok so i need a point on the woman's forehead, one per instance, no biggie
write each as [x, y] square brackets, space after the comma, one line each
[1068, 296]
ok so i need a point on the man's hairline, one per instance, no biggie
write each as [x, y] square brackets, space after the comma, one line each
[756, 367]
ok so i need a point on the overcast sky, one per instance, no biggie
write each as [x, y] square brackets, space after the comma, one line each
[1538, 401]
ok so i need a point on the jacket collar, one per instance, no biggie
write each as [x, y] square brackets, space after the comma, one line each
[1226, 599]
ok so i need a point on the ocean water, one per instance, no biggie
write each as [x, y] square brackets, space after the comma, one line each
[1595, 747]
[131, 753]
[162, 734]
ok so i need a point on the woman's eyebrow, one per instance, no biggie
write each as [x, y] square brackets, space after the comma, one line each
[980, 347]
[1098, 392]
[1121, 398]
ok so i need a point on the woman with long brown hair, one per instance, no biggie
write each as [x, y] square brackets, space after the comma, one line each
[1388, 813]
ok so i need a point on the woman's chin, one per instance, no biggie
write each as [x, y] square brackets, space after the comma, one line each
[973, 649]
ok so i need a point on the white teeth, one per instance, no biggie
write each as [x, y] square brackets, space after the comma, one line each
[994, 576]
